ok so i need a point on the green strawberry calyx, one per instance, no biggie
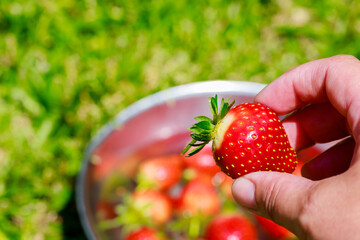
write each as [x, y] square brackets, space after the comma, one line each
[202, 132]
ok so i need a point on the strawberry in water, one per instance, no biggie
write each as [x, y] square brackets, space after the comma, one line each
[144, 233]
[188, 201]
[105, 210]
[202, 162]
[153, 204]
[160, 172]
[143, 207]
[246, 138]
[235, 227]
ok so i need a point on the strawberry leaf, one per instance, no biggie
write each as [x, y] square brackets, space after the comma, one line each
[201, 137]
[205, 125]
[203, 118]
[214, 108]
[187, 148]
[203, 130]
[196, 150]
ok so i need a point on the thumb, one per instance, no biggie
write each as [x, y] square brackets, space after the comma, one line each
[277, 196]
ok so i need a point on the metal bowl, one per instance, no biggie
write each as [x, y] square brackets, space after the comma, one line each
[157, 124]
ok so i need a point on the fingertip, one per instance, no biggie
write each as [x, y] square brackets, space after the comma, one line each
[278, 96]
[274, 195]
[244, 193]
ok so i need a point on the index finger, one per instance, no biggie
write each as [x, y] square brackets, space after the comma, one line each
[335, 80]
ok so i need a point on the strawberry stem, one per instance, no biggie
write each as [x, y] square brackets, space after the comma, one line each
[203, 130]
[188, 146]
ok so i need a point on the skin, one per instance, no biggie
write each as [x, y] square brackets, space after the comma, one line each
[324, 99]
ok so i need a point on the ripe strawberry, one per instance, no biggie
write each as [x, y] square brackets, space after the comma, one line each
[153, 204]
[160, 172]
[144, 233]
[105, 210]
[188, 201]
[246, 138]
[231, 227]
[273, 230]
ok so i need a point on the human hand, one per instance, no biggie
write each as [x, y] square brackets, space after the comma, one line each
[326, 204]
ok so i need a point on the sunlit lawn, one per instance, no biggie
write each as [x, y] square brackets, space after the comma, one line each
[67, 67]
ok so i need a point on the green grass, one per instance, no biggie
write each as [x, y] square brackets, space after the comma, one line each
[67, 67]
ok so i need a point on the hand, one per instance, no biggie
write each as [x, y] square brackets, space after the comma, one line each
[326, 204]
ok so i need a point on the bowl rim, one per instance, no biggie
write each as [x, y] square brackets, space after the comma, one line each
[207, 88]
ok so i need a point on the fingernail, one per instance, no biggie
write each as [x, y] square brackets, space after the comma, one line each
[244, 193]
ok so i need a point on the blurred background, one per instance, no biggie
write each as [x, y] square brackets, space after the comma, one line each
[67, 67]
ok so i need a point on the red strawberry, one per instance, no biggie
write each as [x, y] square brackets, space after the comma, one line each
[246, 138]
[272, 229]
[231, 227]
[105, 210]
[161, 172]
[144, 233]
[198, 196]
[154, 204]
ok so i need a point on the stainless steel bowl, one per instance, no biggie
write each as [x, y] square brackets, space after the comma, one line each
[157, 124]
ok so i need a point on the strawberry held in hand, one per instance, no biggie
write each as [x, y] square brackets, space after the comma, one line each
[246, 138]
